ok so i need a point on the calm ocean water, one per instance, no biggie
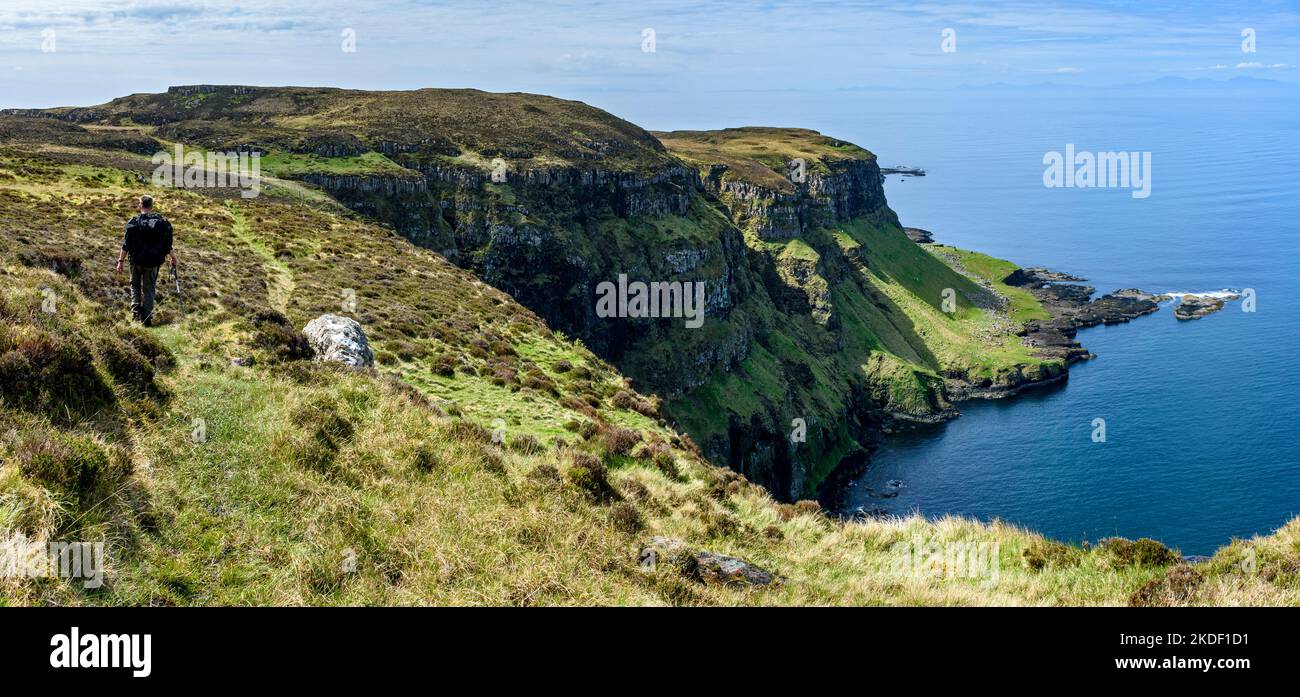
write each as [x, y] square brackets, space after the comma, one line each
[1202, 420]
[1201, 417]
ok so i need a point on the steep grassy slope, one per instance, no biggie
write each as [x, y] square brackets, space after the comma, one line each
[312, 484]
[303, 463]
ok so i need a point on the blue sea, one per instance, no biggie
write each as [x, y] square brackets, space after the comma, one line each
[1201, 417]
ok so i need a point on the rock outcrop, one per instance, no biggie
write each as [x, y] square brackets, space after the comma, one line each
[918, 235]
[1197, 306]
[1073, 308]
[703, 566]
[339, 339]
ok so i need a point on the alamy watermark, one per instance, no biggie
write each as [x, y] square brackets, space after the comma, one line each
[1103, 170]
[929, 559]
[799, 431]
[1099, 430]
[49, 301]
[99, 651]
[798, 169]
[21, 557]
[639, 299]
[211, 170]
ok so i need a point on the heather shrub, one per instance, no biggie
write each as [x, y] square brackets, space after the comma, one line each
[588, 474]
[1142, 552]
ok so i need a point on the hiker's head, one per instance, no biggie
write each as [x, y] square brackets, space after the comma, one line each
[146, 204]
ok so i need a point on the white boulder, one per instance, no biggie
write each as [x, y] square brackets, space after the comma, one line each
[339, 339]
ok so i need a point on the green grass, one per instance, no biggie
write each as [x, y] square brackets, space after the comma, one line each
[973, 338]
[470, 127]
[799, 250]
[294, 165]
[317, 485]
[760, 155]
[893, 259]
[281, 285]
[1024, 306]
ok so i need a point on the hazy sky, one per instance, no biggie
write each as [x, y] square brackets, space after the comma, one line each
[100, 49]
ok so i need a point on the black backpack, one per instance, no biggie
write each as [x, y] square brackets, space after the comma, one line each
[148, 239]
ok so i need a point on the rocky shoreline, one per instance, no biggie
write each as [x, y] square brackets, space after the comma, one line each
[1072, 307]
[1069, 301]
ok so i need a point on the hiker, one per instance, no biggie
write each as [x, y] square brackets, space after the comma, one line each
[148, 242]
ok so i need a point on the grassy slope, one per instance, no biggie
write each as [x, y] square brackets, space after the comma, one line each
[307, 467]
[976, 340]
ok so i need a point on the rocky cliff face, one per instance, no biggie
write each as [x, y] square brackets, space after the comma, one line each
[848, 189]
[776, 384]
[549, 237]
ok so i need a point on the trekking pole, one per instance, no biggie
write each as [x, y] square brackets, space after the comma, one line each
[180, 298]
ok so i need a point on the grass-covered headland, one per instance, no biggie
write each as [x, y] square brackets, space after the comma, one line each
[487, 458]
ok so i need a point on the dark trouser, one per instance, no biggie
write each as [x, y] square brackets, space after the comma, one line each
[144, 282]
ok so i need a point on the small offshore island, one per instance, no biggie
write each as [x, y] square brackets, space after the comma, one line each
[903, 170]
[1195, 306]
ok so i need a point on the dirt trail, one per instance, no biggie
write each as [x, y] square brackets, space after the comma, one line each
[280, 277]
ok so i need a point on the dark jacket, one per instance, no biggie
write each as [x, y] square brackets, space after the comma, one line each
[148, 239]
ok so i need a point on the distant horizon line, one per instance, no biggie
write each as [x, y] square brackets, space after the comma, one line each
[1170, 80]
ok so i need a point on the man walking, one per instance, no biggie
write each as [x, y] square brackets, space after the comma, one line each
[148, 242]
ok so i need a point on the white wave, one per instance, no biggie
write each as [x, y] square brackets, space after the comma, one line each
[1225, 294]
